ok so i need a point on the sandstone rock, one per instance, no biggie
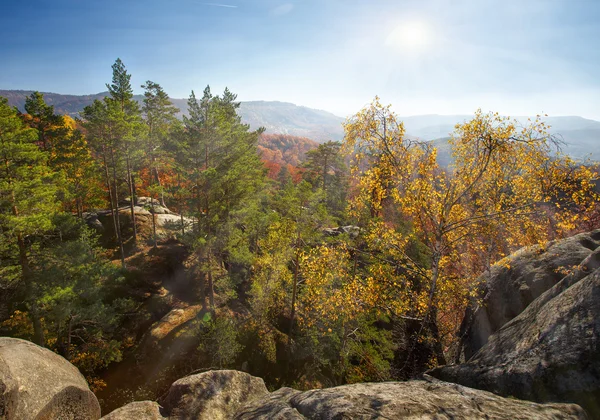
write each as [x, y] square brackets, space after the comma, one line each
[508, 290]
[146, 410]
[36, 383]
[550, 352]
[143, 201]
[167, 325]
[158, 209]
[212, 395]
[275, 406]
[416, 399]
[138, 210]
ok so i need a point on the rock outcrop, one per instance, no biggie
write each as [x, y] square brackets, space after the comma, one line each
[508, 288]
[36, 383]
[138, 410]
[551, 350]
[167, 223]
[416, 399]
[215, 395]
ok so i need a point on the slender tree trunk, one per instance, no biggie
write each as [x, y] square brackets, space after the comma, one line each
[180, 204]
[202, 285]
[131, 204]
[295, 284]
[162, 193]
[211, 288]
[110, 195]
[116, 198]
[133, 190]
[324, 173]
[153, 220]
[69, 336]
[79, 207]
[431, 318]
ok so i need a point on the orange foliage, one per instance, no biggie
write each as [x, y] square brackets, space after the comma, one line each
[283, 150]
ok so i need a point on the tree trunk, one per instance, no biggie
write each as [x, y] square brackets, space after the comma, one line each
[431, 317]
[324, 174]
[153, 221]
[69, 334]
[134, 190]
[180, 204]
[437, 340]
[211, 288]
[202, 285]
[162, 193]
[131, 204]
[110, 195]
[116, 199]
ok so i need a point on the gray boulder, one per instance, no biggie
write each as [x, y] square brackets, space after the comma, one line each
[158, 209]
[350, 230]
[142, 201]
[147, 410]
[550, 352]
[416, 399]
[36, 383]
[509, 288]
[215, 395]
[91, 219]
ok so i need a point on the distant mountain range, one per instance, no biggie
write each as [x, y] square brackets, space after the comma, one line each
[276, 117]
[581, 136]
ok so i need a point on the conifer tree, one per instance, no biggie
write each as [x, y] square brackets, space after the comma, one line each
[41, 117]
[121, 95]
[28, 202]
[326, 169]
[105, 129]
[160, 116]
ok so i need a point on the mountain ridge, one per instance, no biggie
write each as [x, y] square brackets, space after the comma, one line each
[580, 135]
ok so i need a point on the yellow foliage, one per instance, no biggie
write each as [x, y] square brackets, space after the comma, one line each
[506, 188]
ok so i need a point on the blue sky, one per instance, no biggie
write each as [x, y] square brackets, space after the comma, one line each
[423, 56]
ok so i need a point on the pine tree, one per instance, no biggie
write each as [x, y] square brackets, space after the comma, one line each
[106, 128]
[121, 95]
[224, 170]
[326, 169]
[41, 117]
[28, 201]
[160, 116]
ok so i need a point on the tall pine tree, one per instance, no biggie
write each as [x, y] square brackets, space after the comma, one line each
[28, 203]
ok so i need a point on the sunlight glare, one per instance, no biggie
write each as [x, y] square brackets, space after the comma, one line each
[413, 36]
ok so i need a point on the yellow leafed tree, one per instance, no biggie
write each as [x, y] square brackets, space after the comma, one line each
[507, 187]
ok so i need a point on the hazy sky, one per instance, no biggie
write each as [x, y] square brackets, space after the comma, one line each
[423, 56]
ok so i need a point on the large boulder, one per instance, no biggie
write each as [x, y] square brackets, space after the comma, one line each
[550, 352]
[509, 287]
[416, 399]
[36, 383]
[215, 395]
[138, 410]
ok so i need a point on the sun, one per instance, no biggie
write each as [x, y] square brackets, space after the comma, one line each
[411, 36]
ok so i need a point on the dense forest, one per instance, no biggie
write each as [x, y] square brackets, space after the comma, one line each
[308, 265]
